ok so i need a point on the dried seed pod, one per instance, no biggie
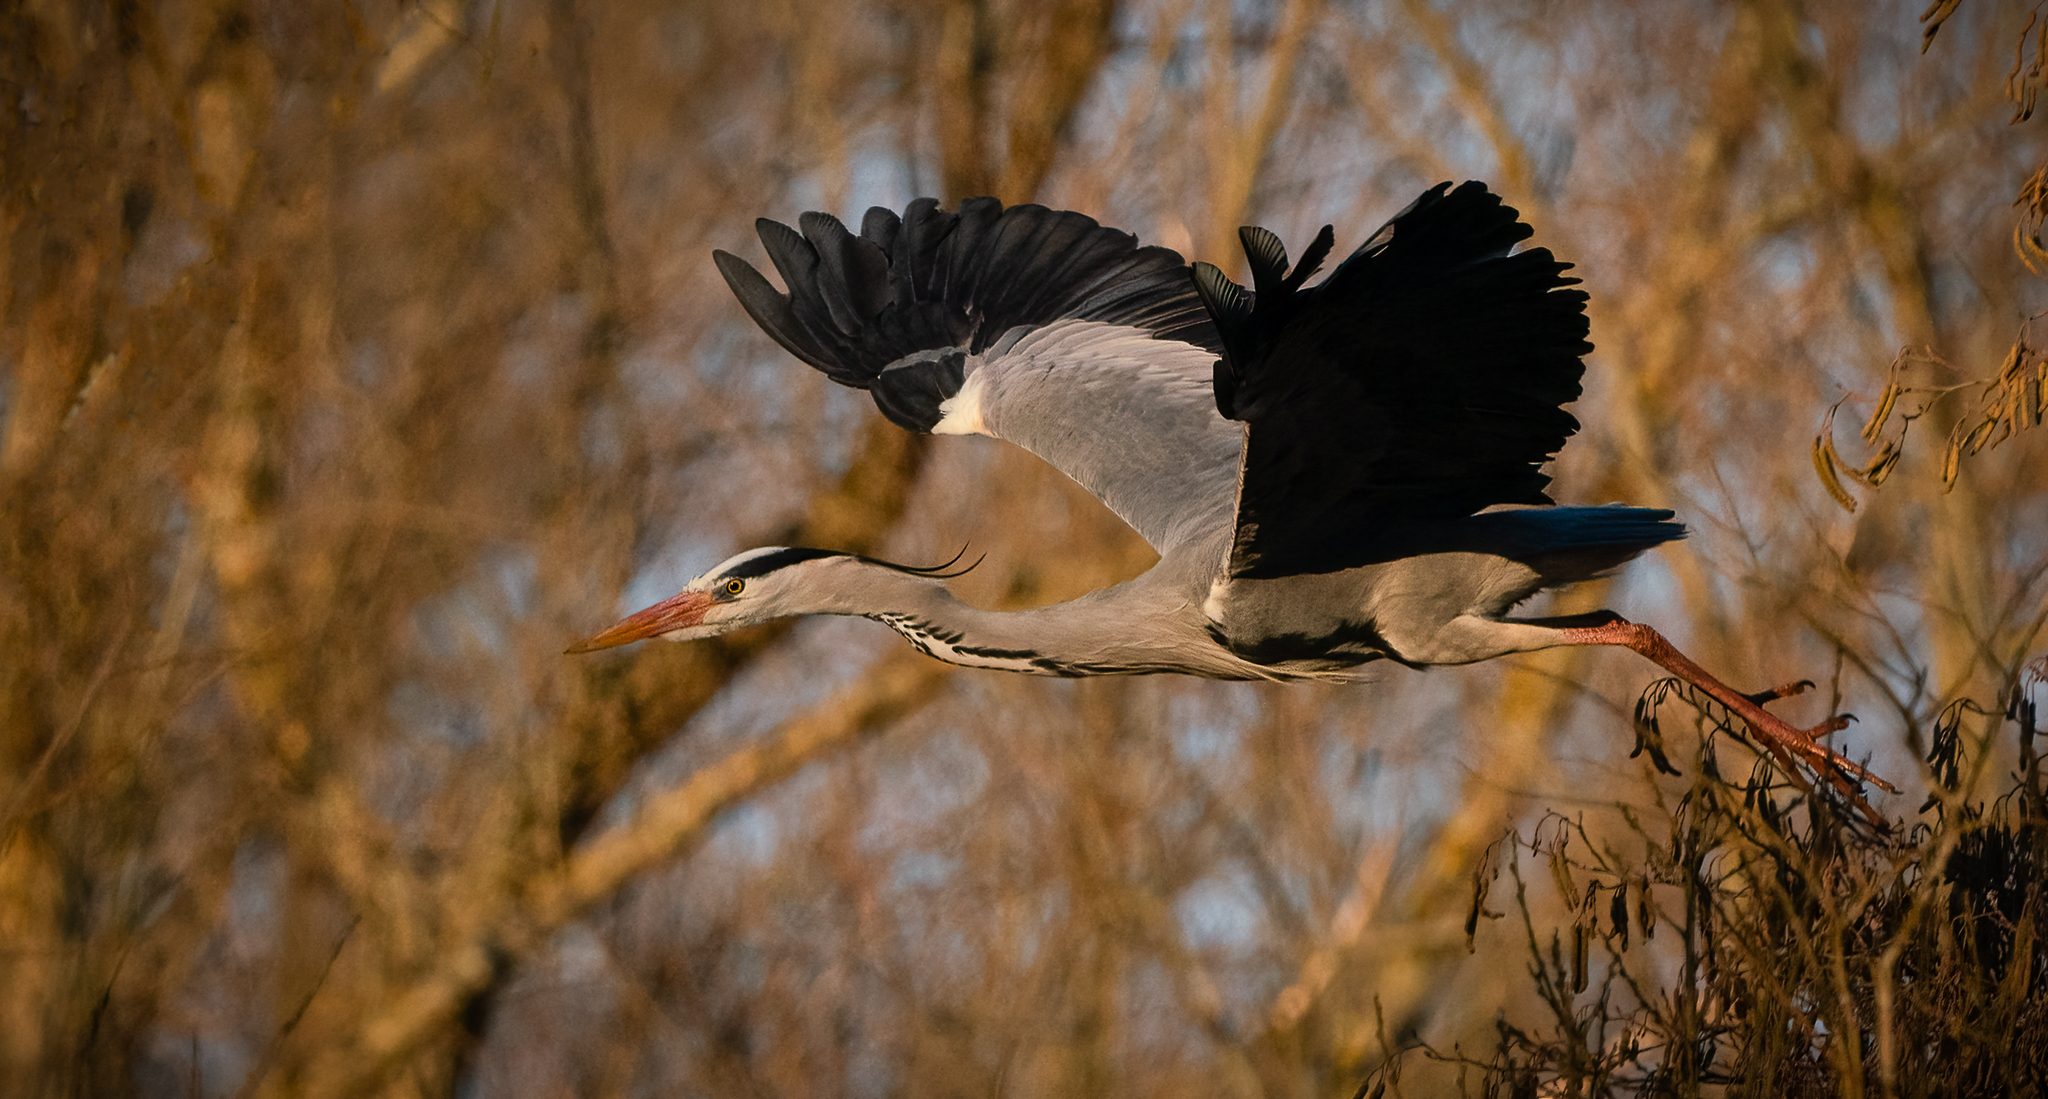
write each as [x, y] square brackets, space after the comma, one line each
[1561, 871]
[1824, 465]
[1883, 412]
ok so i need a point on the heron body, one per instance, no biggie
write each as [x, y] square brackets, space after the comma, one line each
[1332, 475]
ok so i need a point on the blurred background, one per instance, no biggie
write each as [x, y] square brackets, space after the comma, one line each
[358, 356]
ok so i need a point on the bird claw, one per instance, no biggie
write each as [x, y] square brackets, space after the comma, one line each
[1782, 690]
[1798, 752]
[1801, 750]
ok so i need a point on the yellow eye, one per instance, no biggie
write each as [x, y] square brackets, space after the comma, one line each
[735, 586]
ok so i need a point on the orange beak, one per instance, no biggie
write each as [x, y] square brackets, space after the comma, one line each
[677, 613]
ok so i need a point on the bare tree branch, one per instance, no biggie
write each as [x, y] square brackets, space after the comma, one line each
[667, 825]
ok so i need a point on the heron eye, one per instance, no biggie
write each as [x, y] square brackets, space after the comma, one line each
[735, 586]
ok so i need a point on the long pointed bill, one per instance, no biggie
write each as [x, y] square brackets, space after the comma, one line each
[677, 613]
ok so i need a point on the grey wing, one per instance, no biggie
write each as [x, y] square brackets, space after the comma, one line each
[1128, 416]
[1032, 325]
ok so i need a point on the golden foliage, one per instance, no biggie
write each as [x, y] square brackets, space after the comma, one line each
[2005, 404]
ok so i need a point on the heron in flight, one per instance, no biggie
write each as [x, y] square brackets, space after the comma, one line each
[1332, 475]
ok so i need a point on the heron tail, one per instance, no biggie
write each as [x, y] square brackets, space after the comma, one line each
[1570, 544]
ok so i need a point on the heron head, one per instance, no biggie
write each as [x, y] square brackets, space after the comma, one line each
[748, 588]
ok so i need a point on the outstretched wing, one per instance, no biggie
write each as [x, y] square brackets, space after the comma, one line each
[1037, 326]
[1422, 379]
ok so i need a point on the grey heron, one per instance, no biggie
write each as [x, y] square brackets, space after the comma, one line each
[1332, 475]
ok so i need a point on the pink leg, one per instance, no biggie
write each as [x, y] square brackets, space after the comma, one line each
[1784, 742]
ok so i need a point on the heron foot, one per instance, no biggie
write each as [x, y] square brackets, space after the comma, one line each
[1798, 752]
[1788, 743]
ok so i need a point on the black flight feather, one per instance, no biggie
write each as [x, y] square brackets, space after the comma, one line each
[880, 225]
[1267, 258]
[1421, 379]
[1311, 260]
[897, 308]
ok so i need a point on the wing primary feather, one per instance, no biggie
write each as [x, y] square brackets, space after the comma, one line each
[1227, 301]
[880, 226]
[959, 270]
[771, 309]
[1312, 259]
[792, 255]
[915, 257]
[1230, 309]
[1267, 258]
[855, 275]
[796, 259]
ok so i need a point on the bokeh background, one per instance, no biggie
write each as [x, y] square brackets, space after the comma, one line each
[358, 356]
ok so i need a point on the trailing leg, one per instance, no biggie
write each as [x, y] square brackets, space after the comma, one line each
[1785, 742]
